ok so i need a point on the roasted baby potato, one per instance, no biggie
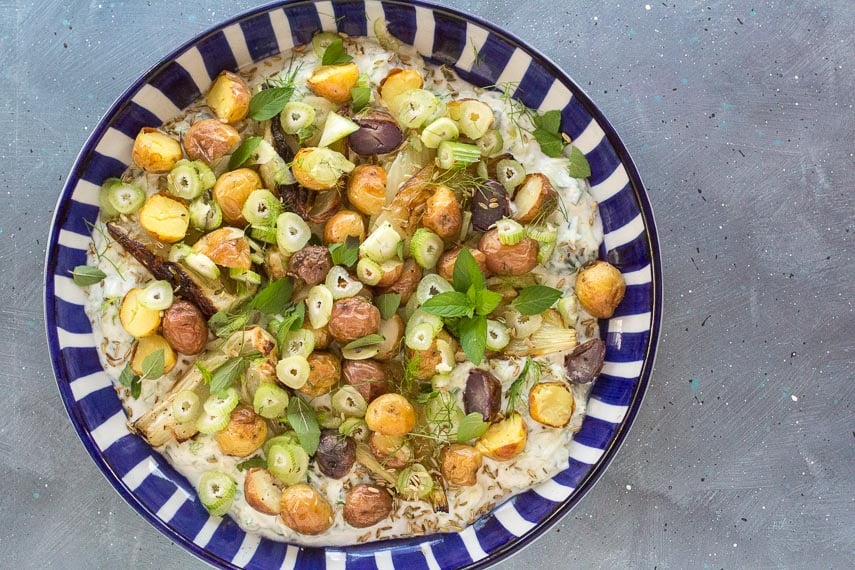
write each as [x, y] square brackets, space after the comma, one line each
[366, 188]
[165, 219]
[185, 328]
[483, 394]
[390, 272]
[505, 439]
[275, 263]
[155, 151]
[390, 414]
[445, 266]
[396, 83]
[311, 264]
[368, 377]
[501, 259]
[324, 373]
[336, 454]
[334, 82]
[378, 133]
[460, 464]
[229, 97]
[428, 360]
[443, 215]
[343, 224]
[392, 330]
[321, 334]
[353, 318]
[261, 491]
[585, 362]
[209, 140]
[534, 194]
[244, 434]
[227, 247]
[551, 403]
[406, 285]
[600, 288]
[304, 510]
[231, 191]
[319, 168]
[137, 320]
[366, 505]
[392, 451]
[149, 345]
[490, 203]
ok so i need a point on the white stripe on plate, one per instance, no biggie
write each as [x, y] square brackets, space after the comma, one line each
[430, 559]
[282, 30]
[557, 97]
[584, 453]
[65, 289]
[625, 233]
[515, 69]
[383, 560]
[475, 38]
[326, 15]
[85, 385]
[335, 560]
[553, 491]
[512, 520]
[152, 99]
[247, 549]
[606, 412]
[203, 537]
[191, 60]
[611, 185]
[425, 25]
[237, 41]
[373, 12]
[74, 340]
[630, 323]
[74, 240]
[473, 547]
[86, 193]
[115, 144]
[590, 137]
[623, 369]
[639, 276]
[290, 561]
[138, 474]
[171, 506]
[112, 430]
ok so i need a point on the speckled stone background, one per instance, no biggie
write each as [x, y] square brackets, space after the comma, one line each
[740, 118]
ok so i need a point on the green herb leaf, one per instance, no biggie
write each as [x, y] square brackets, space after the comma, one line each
[550, 143]
[388, 304]
[225, 324]
[136, 388]
[345, 253]
[243, 152]
[471, 426]
[254, 461]
[549, 121]
[399, 250]
[303, 419]
[293, 321]
[335, 54]
[485, 301]
[535, 299]
[473, 338]
[359, 98]
[273, 298]
[466, 272]
[207, 377]
[364, 341]
[127, 376]
[226, 375]
[85, 275]
[579, 166]
[449, 304]
[152, 365]
[268, 103]
[530, 372]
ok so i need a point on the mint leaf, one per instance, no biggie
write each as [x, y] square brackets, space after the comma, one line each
[206, 374]
[473, 338]
[152, 365]
[471, 426]
[388, 304]
[359, 98]
[345, 253]
[273, 298]
[579, 166]
[268, 103]
[535, 299]
[85, 275]
[303, 419]
[550, 143]
[364, 341]
[549, 121]
[449, 304]
[126, 378]
[244, 151]
[485, 301]
[466, 272]
[225, 324]
[255, 461]
[226, 375]
[335, 54]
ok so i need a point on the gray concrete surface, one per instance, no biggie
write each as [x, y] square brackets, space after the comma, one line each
[740, 118]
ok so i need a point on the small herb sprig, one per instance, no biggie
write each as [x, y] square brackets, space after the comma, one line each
[152, 367]
[273, 299]
[529, 374]
[269, 102]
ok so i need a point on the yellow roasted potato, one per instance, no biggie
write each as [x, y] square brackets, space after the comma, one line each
[165, 219]
[366, 188]
[600, 288]
[460, 464]
[343, 224]
[227, 247]
[551, 403]
[228, 98]
[390, 414]
[392, 451]
[155, 152]
[396, 83]
[534, 194]
[262, 492]
[147, 346]
[137, 320]
[319, 168]
[324, 373]
[244, 434]
[303, 509]
[334, 82]
[231, 191]
[505, 439]
[209, 140]
[443, 214]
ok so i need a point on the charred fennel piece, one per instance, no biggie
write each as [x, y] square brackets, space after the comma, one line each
[158, 426]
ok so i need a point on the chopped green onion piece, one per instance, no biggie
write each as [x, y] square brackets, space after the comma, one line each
[321, 41]
[205, 215]
[126, 198]
[319, 305]
[491, 143]
[336, 128]
[186, 406]
[296, 116]
[208, 424]
[245, 276]
[293, 371]
[292, 233]
[381, 244]
[222, 403]
[442, 129]
[202, 264]
[348, 401]
[270, 401]
[288, 463]
[510, 231]
[426, 248]
[497, 335]
[452, 154]
[544, 234]
[368, 271]
[420, 337]
[107, 209]
[157, 296]
[415, 107]
[216, 492]
[261, 208]
[341, 283]
[355, 428]
[414, 482]
[510, 174]
[183, 181]
[298, 343]
[178, 252]
[432, 285]
[267, 234]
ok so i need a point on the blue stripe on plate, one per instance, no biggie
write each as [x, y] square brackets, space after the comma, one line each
[574, 118]
[304, 22]
[449, 38]
[409, 558]
[127, 453]
[311, 559]
[635, 301]
[98, 406]
[227, 539]
[401, 21]
[350, 16]
[67, 260]
[132, 118]
[260, 37]
[361, 561]
[269, 554]
[630, 257]
[534, 85]
[176, 83]
[625, 347]
[493, 58]
[217, 54]
[618, 210]
[75, 216]
[451, 552]
[532, 507]
[189, 518]
[603, 161]
[80, 362]
[613, 390]
[595, 432]
[573, 475]
[491, 534]
[68, 317]
[155, 491]
[99, 168]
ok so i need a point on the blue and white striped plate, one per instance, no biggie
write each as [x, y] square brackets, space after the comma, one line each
[165, 498]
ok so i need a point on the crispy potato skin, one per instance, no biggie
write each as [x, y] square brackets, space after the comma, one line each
[366, 505]
[534, 192]
[261, 491]
[227, 247]
[390, 414]
[368, 377]
[353, 318]
[324, 373]
[209, 140]
[229, 97]
[185, 328]
[460, 464]
[244, 434]
[334, 82]
[231, 191]
[392, 271]
[304, 510]
[443, 214]
[407, 283]
[445, 265]
[551, 403]
[397, 82]
[366, 188]
[600, 288]
[165, 219]
[343, 224]
[155, 152]
[311, 264]
[501, 259]
[505, 439]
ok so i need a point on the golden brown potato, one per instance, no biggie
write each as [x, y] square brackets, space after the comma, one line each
[460, 464]
[137, 320]
[501, 259]
[324, 373]
[165, 219]
[149, 345]
[600, 288]
[366, 505]
[275, 263]
[231, 191]
[185, 327]
[443, 215]
[353, 318]
[244, 434]
[551, 403]
[392, 331]
[311, 264]
[407, 283]
[391, 271]
[396, 83]
[155, 152]
[505, 439]
[228, 98]
[366, 188]
[390, 414]
[322, 336]
[445, 266]
[368, 377]
[334, 82]
[427, 360]
[319, 168]
[227, 247]
[392, 451]
[342, 224]
[262, 492]
[209, 140]
[533, 195]
[305, 510]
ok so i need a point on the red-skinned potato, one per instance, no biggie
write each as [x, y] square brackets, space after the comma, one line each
[324, 373]
[407, 283]
[445, 266]
[368, 377]
[366, 505]
[209, 140]
[229, 97]
[392, 331]
[185, 327]
[353, 318]
[154, 151]
[501, 259]
[533, 195]
[304, 510]
[311, 264]
[391, 272]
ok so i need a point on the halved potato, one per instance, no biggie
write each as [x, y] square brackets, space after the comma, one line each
[533, 195]
[231, 191]
[136, 319]
[165, 219]
[155, 151]
[261, 491]
[505, 439]
[334, 82]
[551, 403]
[229, 97]
[396, 83]
[149, 345]
[227, 247]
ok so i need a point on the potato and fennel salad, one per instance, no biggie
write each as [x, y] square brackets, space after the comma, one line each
[350, 296]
